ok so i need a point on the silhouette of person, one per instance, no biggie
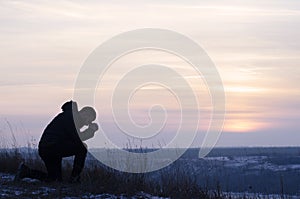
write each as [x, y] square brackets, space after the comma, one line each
[63, 138]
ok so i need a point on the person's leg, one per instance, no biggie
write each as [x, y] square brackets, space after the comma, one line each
[52, 160]
[37, 174]
[80, 152]
[58, 171]
[25, 172]
[53, 165]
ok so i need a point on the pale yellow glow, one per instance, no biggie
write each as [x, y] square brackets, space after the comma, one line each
[243, 89]
[241, 126]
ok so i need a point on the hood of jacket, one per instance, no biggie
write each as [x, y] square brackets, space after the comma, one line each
[69, 106]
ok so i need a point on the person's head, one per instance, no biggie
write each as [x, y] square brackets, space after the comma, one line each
[88, 114]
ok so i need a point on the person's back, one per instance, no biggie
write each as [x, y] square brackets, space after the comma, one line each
[62, 128]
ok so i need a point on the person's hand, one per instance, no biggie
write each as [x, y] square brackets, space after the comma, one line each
[93, 126]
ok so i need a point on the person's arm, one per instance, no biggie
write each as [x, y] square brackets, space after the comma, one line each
[73, 125]
[73, 133]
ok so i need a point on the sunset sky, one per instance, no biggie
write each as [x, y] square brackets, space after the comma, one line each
[255, 46]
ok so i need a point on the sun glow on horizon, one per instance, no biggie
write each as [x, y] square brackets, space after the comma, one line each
[244, 89]
[243, 126]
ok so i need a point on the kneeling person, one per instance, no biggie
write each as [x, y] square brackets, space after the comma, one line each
[62, 138]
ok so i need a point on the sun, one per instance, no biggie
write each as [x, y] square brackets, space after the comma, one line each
[241, 126]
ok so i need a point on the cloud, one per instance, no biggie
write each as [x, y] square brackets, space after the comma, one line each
[254, 44]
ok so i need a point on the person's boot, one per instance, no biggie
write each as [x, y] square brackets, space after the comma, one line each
[22, 172]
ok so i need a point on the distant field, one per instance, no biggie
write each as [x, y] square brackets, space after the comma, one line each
[268, 170]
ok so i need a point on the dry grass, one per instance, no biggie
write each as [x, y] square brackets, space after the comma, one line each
[97, 178]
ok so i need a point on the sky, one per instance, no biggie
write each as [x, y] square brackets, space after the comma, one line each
[255, 46]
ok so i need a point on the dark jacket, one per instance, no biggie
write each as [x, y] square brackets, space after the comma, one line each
[62, 128]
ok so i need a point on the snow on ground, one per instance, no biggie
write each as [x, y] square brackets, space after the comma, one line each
[233, 195]
[35, 189]
[253, 162]
[8, 189]
[31, 188]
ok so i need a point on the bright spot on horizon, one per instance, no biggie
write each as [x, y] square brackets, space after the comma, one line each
[242, 126]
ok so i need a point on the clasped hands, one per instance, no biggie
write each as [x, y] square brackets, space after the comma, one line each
[89, 132]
